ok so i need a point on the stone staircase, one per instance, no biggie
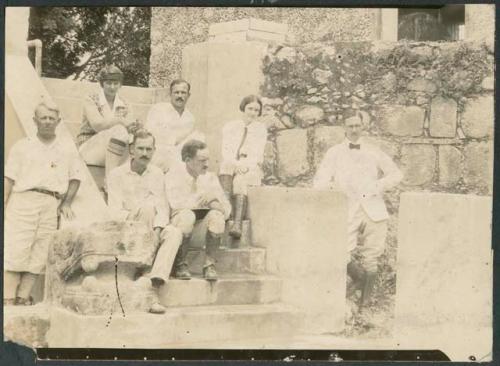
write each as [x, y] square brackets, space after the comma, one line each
[245, 303]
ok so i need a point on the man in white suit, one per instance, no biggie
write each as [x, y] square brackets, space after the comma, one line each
[353, 167]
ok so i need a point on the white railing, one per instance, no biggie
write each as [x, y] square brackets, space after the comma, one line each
[38, 54]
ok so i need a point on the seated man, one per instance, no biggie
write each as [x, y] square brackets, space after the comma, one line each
[136, 192]
[191, 189]
[41, 180]
[172, 124]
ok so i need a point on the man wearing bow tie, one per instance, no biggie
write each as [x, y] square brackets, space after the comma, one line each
[353, 167]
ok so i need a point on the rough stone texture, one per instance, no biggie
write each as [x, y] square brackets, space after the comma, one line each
[450, 165]
[422, 85]
[292, 153]
[322, 221]
[477, 118]
[443, 121]
[402, 121]
[488, 83]
[418, 164]
[444, 273]
[82, 263]
[387, 146]
[304, 25]
[479, 165]
[324, 138]
[26, 325]
[269, 166]
[309, 115]
[321, 76]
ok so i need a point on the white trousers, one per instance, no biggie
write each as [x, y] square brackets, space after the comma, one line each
[370, 236]
[185, 220]
[30, 221]
[241, 182]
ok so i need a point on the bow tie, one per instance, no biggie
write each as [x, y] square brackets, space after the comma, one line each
[354, 146]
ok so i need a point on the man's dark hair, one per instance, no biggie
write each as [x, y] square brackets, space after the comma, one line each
[142, 134]
[179, 81]
[190, 149]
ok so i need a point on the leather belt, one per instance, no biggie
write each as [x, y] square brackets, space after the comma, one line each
[56, 195]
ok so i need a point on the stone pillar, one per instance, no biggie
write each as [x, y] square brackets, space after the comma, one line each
[224, 70]
[480, 23]
[16, 30]
[444, 274]
[304, 232]
[389, 25]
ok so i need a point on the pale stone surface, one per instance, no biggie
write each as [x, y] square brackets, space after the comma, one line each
[292, 153]
[444, 267]
[450, 165]
[178, 326]
[477, 118]
[71, 108]
[488, 83]
[443, 121]
[26, 325]
[402, 121]
[479, 165]
[309, 115]
[219, 82]
[480, 22]
[16, 30]
[232, 289]
[387, 146]
[239, 260]
[304, 232]
[324, 138]
[321, 76]
[418, 164]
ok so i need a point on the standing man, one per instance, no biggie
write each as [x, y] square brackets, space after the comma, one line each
[195, 194]
[352, 167]
[136, 192]
[41, 179]
[172, 124]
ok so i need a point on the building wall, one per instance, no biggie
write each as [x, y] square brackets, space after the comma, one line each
[173, 28]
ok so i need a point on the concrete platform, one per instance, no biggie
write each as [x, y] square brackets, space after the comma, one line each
[232, 289]
[239, 260]
[26, 325]
[178, 325]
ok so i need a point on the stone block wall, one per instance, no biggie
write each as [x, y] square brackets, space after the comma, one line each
[173, 28]
[428, 105]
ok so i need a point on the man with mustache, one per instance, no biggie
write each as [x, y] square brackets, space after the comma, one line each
[172, 125]
[136, 193]
[353, 168]
[194, 194]
[42, 177]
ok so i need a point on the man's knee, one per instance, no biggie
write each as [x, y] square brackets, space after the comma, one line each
[118, 132]
[184, 220]
[216, 222]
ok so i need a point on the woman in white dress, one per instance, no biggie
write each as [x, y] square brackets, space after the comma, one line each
[243, 143]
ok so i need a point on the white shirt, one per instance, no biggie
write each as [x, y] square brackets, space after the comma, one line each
[127, 191]
[168, 126]
[251, 152]
[355, 172]
[33, 164]
[183, 190]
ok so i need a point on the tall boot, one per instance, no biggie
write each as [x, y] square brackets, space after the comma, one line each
[211, 246]
[367, 290]
[226, 181]
[239, 210]
[181, 267]
[115, 155]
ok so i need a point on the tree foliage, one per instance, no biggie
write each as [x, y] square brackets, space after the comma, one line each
[78, 41]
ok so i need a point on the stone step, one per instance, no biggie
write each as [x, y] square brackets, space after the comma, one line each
[229, 260]
[178, 325]
[27, 325]
[244, 241]
[234, 289]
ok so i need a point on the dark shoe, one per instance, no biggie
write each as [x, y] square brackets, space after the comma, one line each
[24, 302]
[157, 282]
[182, 272]
[236, 229]
[210, 273]
[157, 308]
[239, 212]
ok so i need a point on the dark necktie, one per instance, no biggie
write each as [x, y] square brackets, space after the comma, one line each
[354, 146]
[243, 138]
